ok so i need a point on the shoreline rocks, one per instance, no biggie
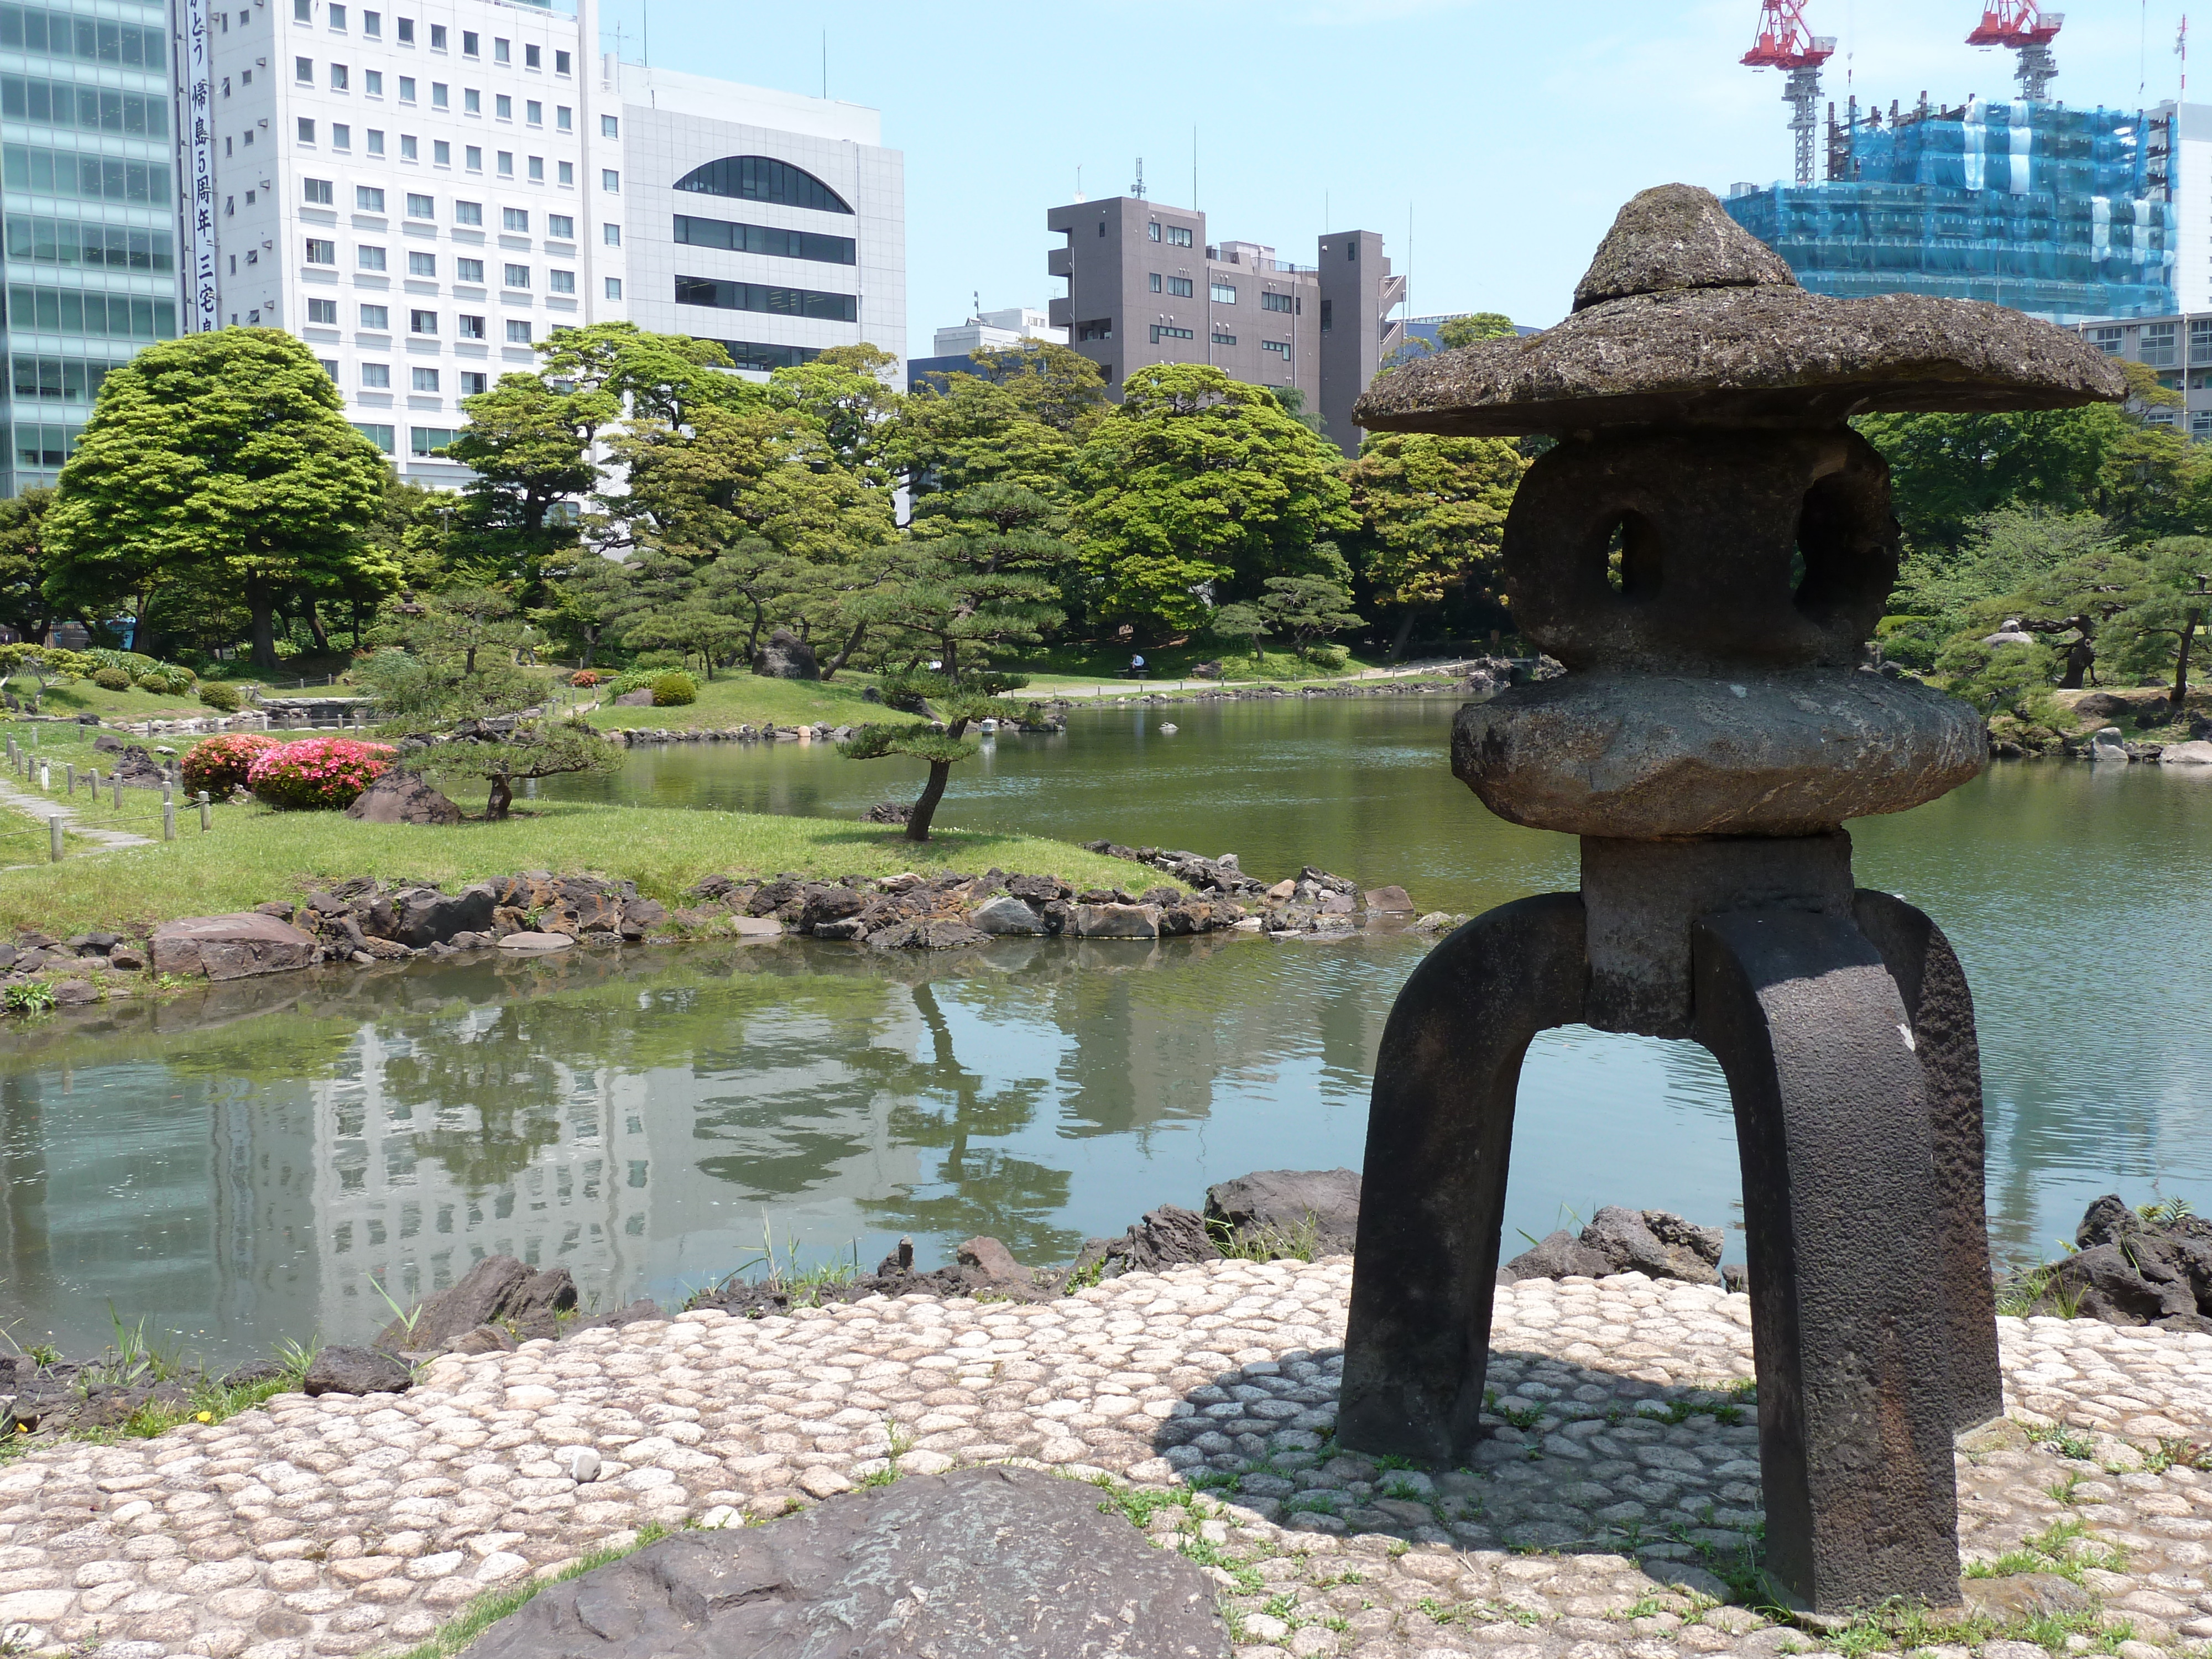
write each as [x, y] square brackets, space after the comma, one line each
[2151, 1266]
[1656, 1243]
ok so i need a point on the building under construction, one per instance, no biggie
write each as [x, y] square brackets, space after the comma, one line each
[2069, 214]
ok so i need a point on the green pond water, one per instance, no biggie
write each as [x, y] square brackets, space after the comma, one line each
[255, 1161]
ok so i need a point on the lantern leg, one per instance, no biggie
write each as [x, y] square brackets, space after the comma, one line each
[1844, 1225]
[1432, 1201]
[1940, 1007]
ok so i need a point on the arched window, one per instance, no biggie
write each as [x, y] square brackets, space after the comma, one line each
[762, 178]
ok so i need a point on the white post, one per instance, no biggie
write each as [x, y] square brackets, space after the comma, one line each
[168, 819]
[207, 817]
[45, 777]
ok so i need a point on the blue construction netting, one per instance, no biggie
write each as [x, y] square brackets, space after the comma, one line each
[2051, 211]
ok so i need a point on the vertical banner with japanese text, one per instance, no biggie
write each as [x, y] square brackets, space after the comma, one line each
[194, 108]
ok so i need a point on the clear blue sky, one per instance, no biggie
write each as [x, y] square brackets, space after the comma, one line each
[1510, 132]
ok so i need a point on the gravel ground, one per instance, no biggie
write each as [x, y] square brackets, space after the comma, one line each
[1603, 1521]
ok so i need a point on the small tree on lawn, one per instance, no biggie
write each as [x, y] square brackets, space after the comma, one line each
[976, 699]
[538, 749]
[1241, 621]
[1310, 607]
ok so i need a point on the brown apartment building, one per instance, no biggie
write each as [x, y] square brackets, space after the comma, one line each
[1144, 286]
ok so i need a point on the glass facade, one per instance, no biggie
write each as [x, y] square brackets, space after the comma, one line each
[2062, 213]
[87, 201]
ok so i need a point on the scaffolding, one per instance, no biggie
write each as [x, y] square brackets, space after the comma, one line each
[2060, 212]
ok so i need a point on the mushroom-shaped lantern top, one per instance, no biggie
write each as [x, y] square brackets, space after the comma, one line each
[1685, 318]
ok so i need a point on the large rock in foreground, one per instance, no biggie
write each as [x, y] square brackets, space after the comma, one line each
[235, 946]
[1285, 1207]
[981, 1563]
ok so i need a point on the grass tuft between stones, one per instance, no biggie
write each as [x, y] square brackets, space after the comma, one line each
[487, 1609]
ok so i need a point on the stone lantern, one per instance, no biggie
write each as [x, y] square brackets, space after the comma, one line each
[1706, 549]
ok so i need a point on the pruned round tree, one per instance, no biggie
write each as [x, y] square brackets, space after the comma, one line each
[943, 742]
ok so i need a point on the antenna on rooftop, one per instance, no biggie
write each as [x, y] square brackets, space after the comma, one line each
[1137, 190]
[2028, 29]
[1785, 42]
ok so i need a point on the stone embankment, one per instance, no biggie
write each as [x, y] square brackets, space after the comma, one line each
[1617, 1498]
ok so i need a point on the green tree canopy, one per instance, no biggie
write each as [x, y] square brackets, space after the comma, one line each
[224, 460]
[1948, 471]
[1431, 517]
[1456, 332]
[956, 709]
[1196, 483]
[23, 603]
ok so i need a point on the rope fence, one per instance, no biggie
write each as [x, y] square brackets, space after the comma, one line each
[38, 770]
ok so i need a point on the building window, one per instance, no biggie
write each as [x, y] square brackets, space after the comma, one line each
[437, 37]
[610, 234]
[501, 52]
[518, 332]
[372, 25]
[757, 296]
[1180, 287]
[406, 31]
[425, 379]
[338, 19]
[472, 157]
[610, 126]
[760, 358]
[320, 253]
[306, 131]
[537, 170]
[1351, 252]
[468, 270]
[561, 226]
[379, 436]
[568, 173]
[614, 288]
[514, 219]
[1169, 331]
[303, 70]
[2200, 424]
[1152, 278]
[376, 376]
[533, 112]
[1178, 236]
[1222, 294]
[610, 181]
[319, 192]
[2159, 346]
[507, 164]
[428, 440]
[421, 264]
[323, 311]
[739, 238]
[469, 328]
[533, 57]
[1099, 328]
[1274, 302]
[468, 44]
[1152, 230]
[1328, 315]
[471, 101]
[341, 136]
[329, 366]
[561, 282]
[303, 12]
[516, 275]
[375, 319]
[441, 95]
[473, 384]
[2108, 340]
[1220, 339]
[338, 77]
[406, 88]
[367, 198]
[762, 178]
[468, 213]
[375, 142]
[422, 207]
[564, 118]
[1280, 348]
[2200, 339]
[560, 63]
[372, 83]
[502, 108]
[441, 153]
[421, 322]
[368, 258]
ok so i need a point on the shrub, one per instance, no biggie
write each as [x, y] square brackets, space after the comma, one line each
[669, 689]
[223, 699]
[585, 677]
[316, 773]
[112, 680]
[1327, 656]
[220, 765]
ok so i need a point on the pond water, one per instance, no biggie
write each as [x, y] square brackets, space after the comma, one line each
[261, 1160]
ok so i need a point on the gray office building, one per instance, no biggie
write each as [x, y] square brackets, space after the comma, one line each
[1144, 286]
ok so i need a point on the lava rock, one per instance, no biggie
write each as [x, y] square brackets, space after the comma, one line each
[497, 1288]
[1004, 913]
[785, 656]
[1557, 1255]
[1655, 1242]
[236, 946]
[358, 1371]
[423, 915]
[991, 1563]
[1279, 1208]
[400, 796]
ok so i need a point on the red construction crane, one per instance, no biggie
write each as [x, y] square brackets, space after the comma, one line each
[2025, 27]
[1785, 42]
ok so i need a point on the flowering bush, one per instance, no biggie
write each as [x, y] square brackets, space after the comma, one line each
[222, 764]
[584, 677]
[317, 772]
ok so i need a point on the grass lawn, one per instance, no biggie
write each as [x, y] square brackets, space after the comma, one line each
[83, 697]
[254, 854]
[739, 697]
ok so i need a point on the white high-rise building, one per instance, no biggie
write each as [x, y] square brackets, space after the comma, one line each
[424, 189]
